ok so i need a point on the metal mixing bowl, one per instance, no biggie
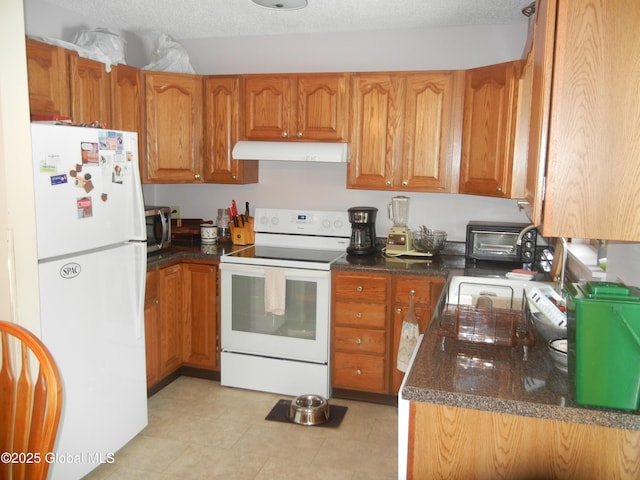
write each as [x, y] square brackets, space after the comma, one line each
[309, 410]
[429, 241]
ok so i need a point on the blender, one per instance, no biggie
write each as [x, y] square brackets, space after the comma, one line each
[399, 238]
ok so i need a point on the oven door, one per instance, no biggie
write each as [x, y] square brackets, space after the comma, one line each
[300, 334]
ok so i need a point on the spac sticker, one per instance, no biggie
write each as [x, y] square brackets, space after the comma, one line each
[70, 270]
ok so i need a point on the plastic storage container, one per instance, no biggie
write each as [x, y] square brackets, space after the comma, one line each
[604, 344]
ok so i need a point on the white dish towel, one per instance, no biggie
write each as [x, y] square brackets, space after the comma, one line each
[275, 289]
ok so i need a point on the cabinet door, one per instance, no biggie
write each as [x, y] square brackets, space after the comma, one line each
[541, 65]
[48, 79]
[152, 327]
[222, 131]
[171, 315]
[426, 292]
[428, 132]
[200, 332]
[268, 107]
[594, 131]
[127, 98]
[90, 90]
[490, 100]
[374, 131]
[127, 103]
[321, 107]
[173, 108]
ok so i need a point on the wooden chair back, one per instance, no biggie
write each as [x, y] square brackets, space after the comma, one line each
[30, 404]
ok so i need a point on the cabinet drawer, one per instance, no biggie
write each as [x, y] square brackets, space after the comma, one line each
[420, 285]
[359, 340]
[360, 287]
[360, 314]
[359, 372]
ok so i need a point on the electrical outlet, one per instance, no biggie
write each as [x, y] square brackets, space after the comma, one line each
[175, 212]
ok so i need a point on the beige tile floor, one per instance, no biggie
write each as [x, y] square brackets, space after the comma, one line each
[200, 430]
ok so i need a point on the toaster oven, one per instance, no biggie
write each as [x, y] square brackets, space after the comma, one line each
[496, 241]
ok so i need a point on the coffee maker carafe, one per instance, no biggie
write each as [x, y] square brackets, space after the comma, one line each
[363, 230]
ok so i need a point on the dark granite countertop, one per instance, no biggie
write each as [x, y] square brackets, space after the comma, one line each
[502, 380]
[197, 253]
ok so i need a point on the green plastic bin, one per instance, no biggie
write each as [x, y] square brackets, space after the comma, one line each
[603, 334]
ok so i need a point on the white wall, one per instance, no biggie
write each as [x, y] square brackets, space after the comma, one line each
[18, 257]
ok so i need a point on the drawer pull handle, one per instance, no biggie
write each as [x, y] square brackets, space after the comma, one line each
[359, 288]
[358, 341]
[398, 310]
[358, 372]
[359, 315]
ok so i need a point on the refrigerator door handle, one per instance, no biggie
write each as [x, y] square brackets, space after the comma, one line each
[140, 256]
[140, 222]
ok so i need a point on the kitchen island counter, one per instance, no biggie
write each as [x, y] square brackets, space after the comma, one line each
[470, 411]
[501, 380]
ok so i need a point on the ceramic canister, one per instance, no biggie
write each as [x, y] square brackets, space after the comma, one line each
[208, 233]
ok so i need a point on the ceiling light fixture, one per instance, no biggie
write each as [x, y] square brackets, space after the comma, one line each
[281, 4]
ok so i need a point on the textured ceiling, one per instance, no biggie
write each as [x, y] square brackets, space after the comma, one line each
[187, 19]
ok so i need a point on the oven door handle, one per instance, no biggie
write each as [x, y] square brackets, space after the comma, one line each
[258, 270]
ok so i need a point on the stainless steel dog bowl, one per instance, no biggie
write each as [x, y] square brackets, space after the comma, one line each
[309, 410]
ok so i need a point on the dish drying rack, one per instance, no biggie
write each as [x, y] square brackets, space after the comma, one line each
[486, 323]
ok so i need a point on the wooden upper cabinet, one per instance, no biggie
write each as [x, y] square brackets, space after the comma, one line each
[90, 90]
[127, 98]
[540, 68]
[592, 187]
[490, 101]
[403, 130]
[376, 100]
[297, 107]
[47, 72]
[222, 131]
[173, 107]
[429, 131]
[322, 102]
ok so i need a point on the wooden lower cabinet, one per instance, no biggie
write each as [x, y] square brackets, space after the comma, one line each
[152, 326]
[180, 320]
[425, 295]
[367, 313]
[359, 332]
[171, 315]
[450, 442]
[200, 332]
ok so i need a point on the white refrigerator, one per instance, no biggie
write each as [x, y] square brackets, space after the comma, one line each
[91, 238]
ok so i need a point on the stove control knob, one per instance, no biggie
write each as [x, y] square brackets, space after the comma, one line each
[275, 220]
[338, 224]
[264, 220]
[326, 223]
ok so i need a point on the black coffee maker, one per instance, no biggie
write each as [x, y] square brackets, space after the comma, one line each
[363, 230]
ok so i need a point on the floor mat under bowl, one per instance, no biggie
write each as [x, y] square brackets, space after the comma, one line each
[280, 412]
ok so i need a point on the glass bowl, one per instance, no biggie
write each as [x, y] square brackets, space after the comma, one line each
[429, 241]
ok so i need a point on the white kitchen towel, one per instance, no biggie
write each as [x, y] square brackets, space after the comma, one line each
[275, 289]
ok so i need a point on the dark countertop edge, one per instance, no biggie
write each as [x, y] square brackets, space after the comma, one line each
[582, 415]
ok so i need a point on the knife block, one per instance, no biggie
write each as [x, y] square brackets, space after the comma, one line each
[242, 235]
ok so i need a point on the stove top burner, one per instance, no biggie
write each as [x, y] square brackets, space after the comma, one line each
[261, 252]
